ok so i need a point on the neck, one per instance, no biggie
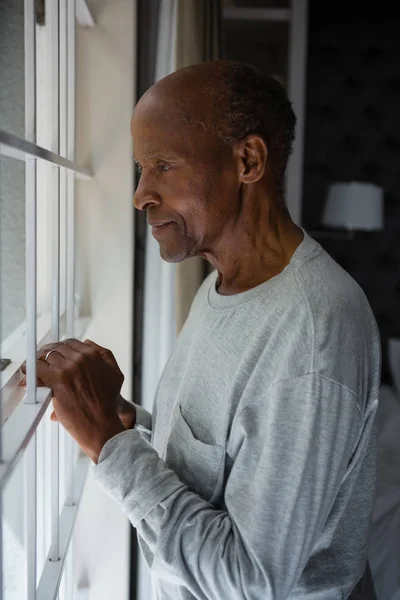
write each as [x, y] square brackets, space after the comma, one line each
[254, 248]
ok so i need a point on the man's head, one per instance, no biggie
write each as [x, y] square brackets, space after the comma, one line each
[210, 140]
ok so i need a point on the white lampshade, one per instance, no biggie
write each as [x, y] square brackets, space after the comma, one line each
[354, 205]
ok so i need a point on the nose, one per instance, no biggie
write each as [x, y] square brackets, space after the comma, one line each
[145, 195]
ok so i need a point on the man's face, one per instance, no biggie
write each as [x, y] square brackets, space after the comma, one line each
[188, 183]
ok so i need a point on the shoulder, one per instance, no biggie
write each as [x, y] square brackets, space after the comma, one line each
[344, 331]
[333, 296]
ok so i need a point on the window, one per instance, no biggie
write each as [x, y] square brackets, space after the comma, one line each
[41, 471]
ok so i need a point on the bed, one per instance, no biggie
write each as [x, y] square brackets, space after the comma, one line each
[384, 549]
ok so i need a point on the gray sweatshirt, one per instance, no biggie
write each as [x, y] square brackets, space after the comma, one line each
[259, 478]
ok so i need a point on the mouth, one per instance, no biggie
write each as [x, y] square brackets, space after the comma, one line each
[159, 228]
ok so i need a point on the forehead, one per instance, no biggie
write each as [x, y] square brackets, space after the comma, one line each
[160, 124]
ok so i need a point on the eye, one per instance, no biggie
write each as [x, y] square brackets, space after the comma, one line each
[163, 168]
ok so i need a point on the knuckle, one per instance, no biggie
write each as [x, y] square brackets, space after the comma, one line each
[43, 349]
[81, 360]
[88, 350]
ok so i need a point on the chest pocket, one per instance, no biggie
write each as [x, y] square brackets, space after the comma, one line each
[198, 465]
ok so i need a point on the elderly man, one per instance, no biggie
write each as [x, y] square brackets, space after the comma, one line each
[254, 477]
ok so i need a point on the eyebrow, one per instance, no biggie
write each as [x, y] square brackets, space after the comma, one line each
[156, 156]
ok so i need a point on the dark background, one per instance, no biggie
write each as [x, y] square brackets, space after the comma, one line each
[352, 127]
[353, 133]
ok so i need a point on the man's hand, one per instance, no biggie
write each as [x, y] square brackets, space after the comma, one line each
[85, 381]
[126, 410]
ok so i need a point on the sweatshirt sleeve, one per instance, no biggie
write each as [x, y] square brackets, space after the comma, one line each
[143, 424]
[143, 417]
[290, 448]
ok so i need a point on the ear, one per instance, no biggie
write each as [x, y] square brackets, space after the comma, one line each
[252, 154]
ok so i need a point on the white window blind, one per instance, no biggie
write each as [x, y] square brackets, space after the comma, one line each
[42, 473]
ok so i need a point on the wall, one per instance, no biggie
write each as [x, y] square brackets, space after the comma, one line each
[104, 214]
[353, 133]
[263, 44]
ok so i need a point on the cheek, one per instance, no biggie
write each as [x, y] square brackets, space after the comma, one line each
[215, 208]
[203, 198]
[188, 195]
[222, 196]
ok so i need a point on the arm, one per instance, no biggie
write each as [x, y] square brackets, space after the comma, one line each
[291, 448]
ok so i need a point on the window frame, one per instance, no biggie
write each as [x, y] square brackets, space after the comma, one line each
[21, 411]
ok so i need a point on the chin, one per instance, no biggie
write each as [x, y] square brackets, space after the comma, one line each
[175, 255]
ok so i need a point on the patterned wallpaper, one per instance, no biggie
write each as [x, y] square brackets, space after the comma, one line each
[353, 133]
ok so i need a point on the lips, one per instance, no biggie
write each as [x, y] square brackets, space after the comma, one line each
[159, 227]
[156, 224]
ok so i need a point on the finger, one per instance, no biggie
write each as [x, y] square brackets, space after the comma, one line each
[87, 348]
[23, 383]
[46, 372]
[53, 417]
[93, 344]
[78, 346]
[43, 350]
[72, 349]
[68, 350]
[106, 354]
[41, 353]
[57, 361]
[79, 349]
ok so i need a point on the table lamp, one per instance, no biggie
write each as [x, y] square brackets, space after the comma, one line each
[354, 206]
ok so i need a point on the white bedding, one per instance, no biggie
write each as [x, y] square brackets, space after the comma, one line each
[384, 554]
